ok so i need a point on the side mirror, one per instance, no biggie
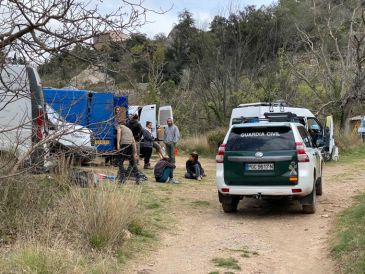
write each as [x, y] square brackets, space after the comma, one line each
[319, 142]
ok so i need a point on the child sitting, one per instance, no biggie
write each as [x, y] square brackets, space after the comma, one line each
[194, 169]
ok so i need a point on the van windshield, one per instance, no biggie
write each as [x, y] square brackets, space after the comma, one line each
[261, 139]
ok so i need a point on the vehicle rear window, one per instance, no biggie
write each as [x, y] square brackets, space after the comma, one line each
[261, 139]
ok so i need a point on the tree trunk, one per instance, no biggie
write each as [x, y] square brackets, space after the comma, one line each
[345, 112]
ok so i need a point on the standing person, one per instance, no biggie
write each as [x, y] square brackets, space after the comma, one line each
[113, 159]
[136, 129]
[147, 144]
[127, 150]
[194, 169]
[171, 138]
[164, 171]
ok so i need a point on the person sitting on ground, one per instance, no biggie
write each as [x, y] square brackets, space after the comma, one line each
[194, 169]
[164, 171]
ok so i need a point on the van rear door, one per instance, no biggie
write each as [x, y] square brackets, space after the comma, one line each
[164, 113]
[261, 156]
[329, 139]
[148, 113]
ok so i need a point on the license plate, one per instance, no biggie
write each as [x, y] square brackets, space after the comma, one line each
[261, 166]
[102, 142]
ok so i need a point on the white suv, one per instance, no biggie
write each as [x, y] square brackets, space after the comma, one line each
[269, 159]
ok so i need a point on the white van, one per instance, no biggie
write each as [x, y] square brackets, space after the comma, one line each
[254, 112]
[148, 113]
[21, 113]
[361, 129]
[69, 138]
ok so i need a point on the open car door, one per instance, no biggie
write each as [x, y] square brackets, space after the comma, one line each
[331, 151]
[148, 113]
[164, 112]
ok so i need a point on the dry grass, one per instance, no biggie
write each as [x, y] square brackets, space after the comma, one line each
[100, 215]
[52, 226]
[198, 143]
[31, 257]
[347, 142]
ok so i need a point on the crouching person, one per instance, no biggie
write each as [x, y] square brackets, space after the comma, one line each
[194, 169]
[127, 150]
[164, 171]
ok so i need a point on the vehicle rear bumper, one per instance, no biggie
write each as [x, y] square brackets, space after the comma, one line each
[305, 184]
[265, 190]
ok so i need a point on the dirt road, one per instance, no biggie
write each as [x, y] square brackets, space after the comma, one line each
[263, 237]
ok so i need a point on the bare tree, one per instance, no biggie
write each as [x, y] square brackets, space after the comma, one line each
[34, 27]
[32, 30]
[335, 51]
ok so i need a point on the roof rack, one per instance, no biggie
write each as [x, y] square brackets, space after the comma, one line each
[277, 103]
[269, 117]
[281, 117]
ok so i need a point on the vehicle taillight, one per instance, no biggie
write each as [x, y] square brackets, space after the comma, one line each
[302, 156]
[220, 153]
[40, 124]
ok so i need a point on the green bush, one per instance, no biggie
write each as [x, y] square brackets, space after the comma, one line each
[216, 137]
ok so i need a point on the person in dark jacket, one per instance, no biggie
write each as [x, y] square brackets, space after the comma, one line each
[135, 127]
[147, 144]
[137, 131]
[126, 147]
[164, 171]
[194, 169]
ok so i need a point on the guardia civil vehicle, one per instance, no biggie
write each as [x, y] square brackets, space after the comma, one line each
[274, 156]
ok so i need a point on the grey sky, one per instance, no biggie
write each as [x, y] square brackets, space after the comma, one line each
[203, 11]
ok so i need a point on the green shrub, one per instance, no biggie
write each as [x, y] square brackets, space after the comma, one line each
[216, 137]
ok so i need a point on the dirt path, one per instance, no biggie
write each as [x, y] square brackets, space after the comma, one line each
[264, 237]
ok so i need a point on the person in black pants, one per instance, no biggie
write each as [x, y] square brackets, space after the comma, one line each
[137, 131]
[194, 169]
[147, 144]
[127, 150]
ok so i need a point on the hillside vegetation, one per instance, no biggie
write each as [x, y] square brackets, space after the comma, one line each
[309, 53]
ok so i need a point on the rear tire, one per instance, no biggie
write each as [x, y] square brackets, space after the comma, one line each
[311, 207]
[231, 207]
[319, 186]
[229, 202]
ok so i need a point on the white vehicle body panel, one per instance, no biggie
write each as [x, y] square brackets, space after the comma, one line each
[252, 110]
[148, 113]
[164, 113]
[15, 111]
[305, 178]
[361, 128]
[68, 134]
